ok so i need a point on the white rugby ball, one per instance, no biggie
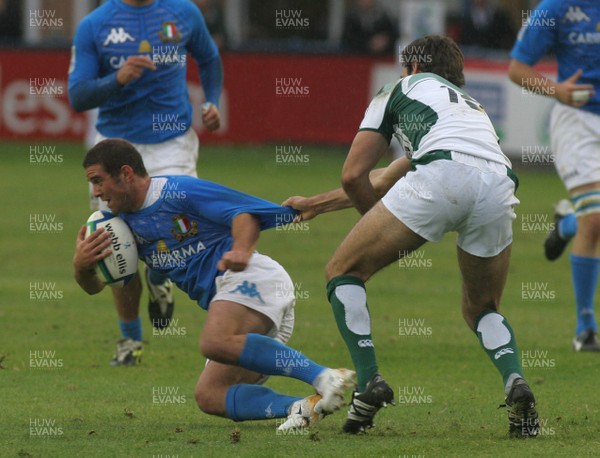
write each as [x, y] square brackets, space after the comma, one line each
[121, 265]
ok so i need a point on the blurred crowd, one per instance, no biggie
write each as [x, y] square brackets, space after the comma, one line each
[350, 26]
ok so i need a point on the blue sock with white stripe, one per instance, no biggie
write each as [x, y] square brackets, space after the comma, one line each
[256, 402]
[268, 356]
[585, 277]
[131, 329]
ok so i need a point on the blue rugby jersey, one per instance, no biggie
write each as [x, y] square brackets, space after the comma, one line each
[185, 232]
[571, 29]
[155, 107]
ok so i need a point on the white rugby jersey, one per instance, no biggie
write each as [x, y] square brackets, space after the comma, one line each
[426, 113]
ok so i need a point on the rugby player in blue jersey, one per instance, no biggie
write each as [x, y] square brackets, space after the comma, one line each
[129, 58]
[204, 238]
[570, 29]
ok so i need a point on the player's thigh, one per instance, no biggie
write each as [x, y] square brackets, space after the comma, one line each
[586, 200]
[377, 240]
[575, 142]
[176, 156]
[483, 281]
[258, 299]
[227, 318]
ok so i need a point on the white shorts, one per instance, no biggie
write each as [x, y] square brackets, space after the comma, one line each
[263, 286]
[575, 141]
[177, 156]
[471, 196]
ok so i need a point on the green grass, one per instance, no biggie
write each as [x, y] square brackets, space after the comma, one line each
[104, 411]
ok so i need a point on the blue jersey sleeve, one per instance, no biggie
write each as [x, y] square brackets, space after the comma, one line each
[86, 90]
[221, 204]
[204, 51]
[538, 35]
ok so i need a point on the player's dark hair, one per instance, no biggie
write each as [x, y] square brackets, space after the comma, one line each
[435, 54]
[114, 153]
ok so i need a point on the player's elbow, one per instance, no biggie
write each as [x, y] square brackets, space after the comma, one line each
[351, 181]
[91, 290]
[88, 285]
[515, 71]
[78, 98]
[77, 103]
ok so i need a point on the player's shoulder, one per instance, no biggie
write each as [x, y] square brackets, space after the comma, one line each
[183, 8]
[99, 15]
[548, 8]
[102, 13]
[420, 80]
[189, 183]
[184, 179]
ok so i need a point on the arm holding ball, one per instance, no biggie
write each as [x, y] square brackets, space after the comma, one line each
[88, 251]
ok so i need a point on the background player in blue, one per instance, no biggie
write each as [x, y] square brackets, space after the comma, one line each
[571, 30]
[204, 237]
[129, 58]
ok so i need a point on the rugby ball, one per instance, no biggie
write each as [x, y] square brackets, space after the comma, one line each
[119, 268]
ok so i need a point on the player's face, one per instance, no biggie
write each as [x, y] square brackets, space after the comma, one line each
[113, 190]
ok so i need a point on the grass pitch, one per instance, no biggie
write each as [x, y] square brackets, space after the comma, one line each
[59, 397]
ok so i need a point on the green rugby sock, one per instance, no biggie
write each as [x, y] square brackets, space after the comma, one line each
[348, 299]
[498, 340]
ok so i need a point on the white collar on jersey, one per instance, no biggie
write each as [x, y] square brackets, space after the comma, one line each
[154, 190]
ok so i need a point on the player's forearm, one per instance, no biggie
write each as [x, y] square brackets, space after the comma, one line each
[89, 281]
[211, 74]
[361, 192]
[329, 201]
[337, 199]
[529, 78]
[245, 230]
[86, 95]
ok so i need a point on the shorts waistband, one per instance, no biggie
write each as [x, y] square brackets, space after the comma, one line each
[447, 155]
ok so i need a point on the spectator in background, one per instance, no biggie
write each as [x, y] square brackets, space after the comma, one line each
[486, 25]
[368, 29]
[212, 11]
[10, 21]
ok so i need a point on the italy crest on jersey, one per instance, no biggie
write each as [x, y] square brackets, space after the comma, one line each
[169, 33]
[183, 227]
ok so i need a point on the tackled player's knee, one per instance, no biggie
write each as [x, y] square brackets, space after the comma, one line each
[205, 399]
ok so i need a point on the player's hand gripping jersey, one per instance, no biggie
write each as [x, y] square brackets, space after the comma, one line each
[427, 113]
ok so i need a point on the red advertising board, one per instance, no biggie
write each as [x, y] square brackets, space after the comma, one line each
[266, 98]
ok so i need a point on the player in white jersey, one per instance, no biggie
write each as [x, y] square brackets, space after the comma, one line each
[454, 178]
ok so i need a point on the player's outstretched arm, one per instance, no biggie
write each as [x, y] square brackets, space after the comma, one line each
[381, 180]
[245, 229]
[88, 251]
[528, 77]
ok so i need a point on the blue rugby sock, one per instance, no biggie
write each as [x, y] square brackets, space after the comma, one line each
[567, 226]
[131, 329]
[256, 402]
[268, 356]
[585, 277]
